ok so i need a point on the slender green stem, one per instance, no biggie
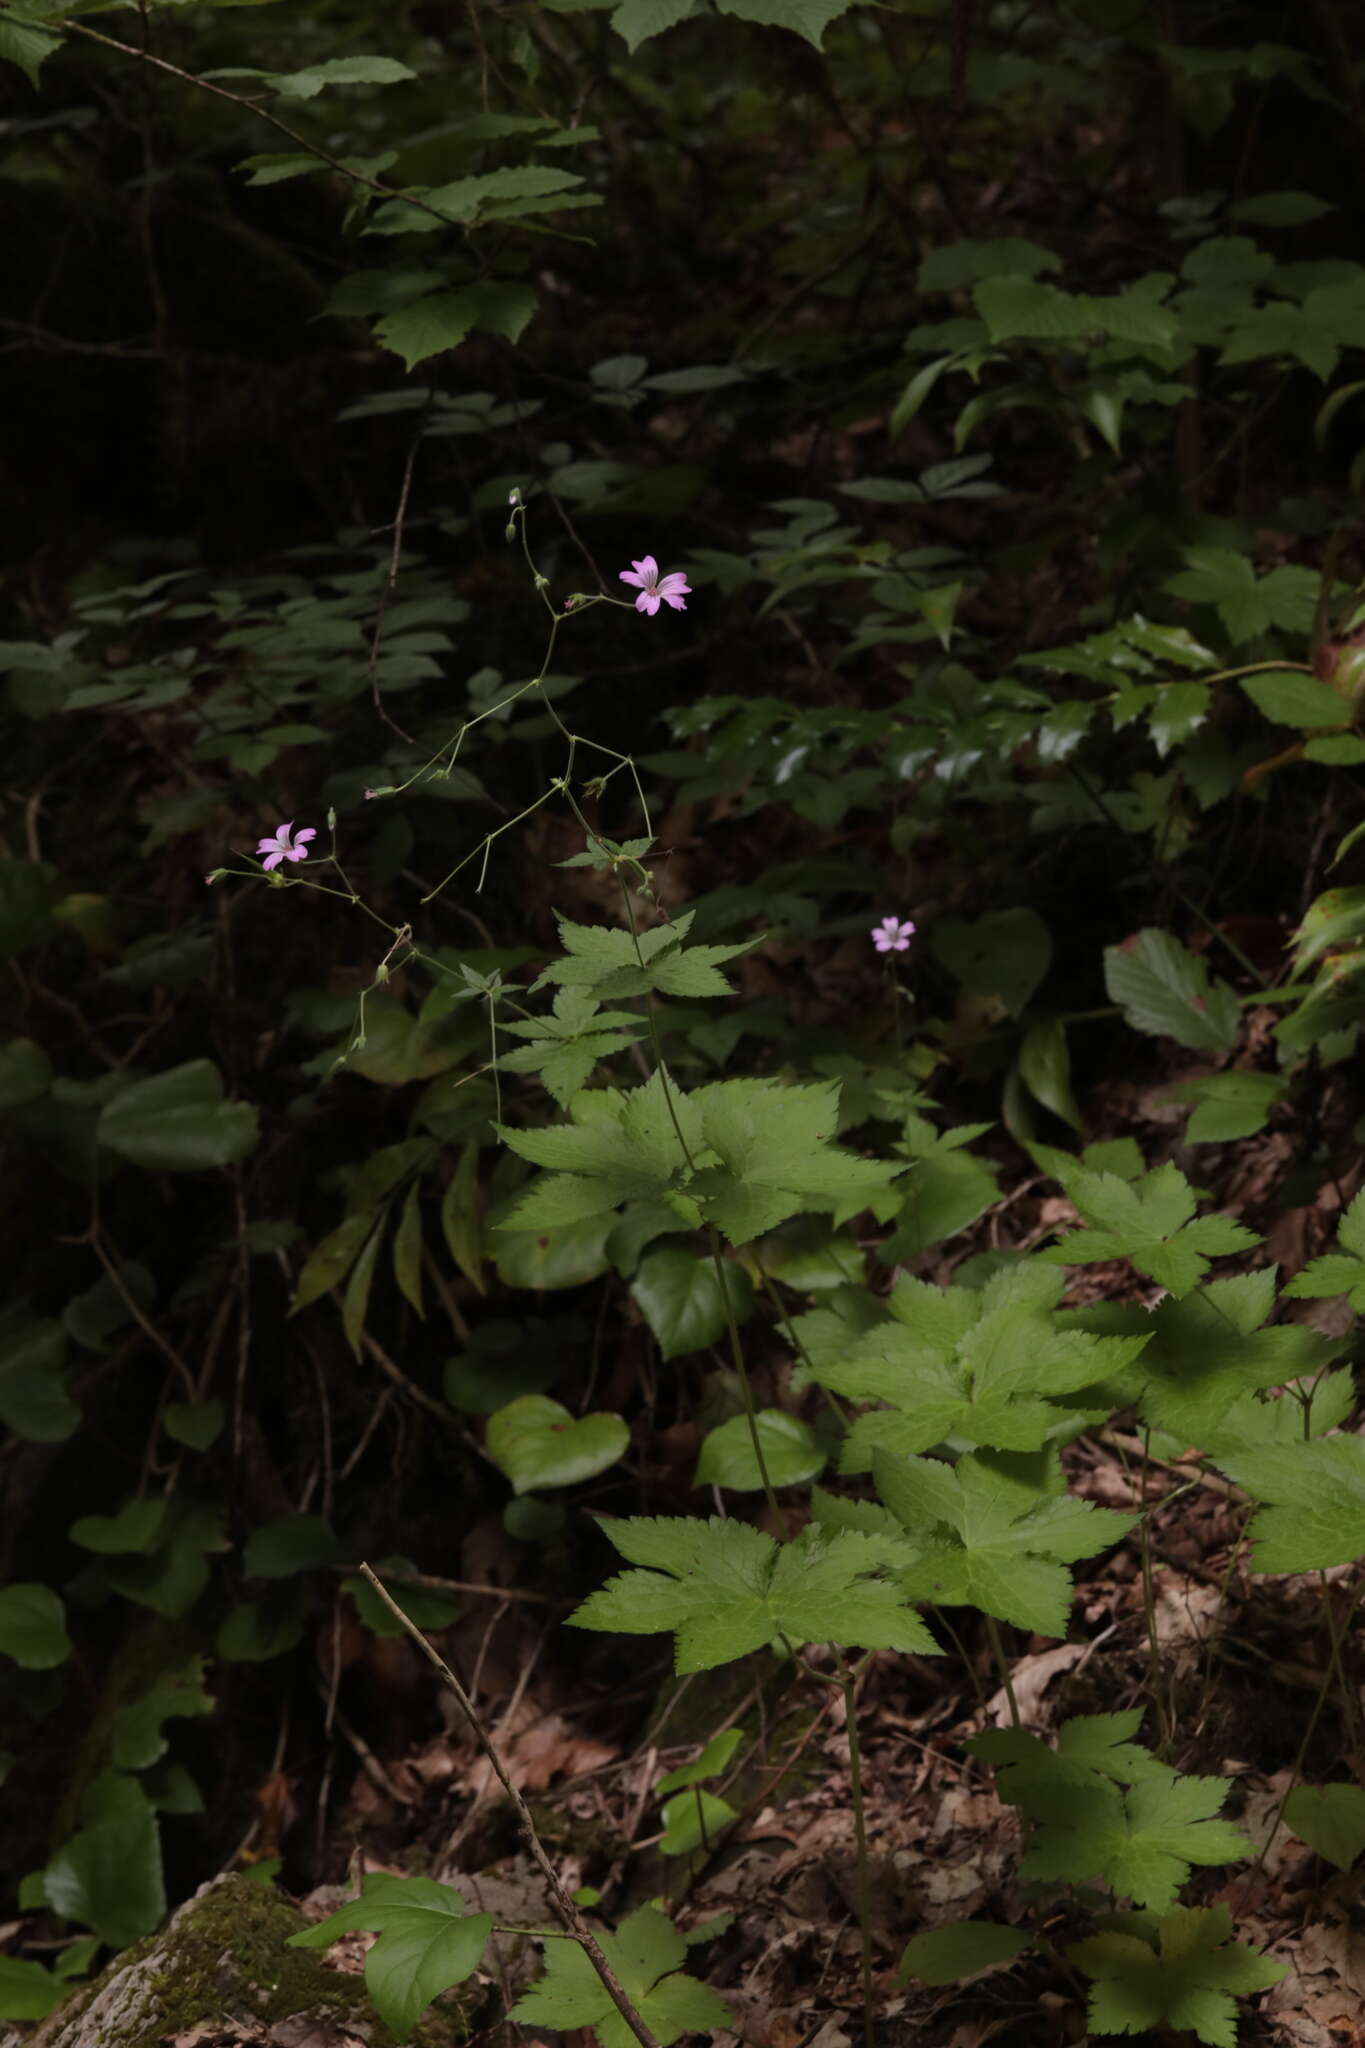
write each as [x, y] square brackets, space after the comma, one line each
[1165, 1732]
[1002, 1665]
[1336, 1636]
[713, 1237]
[1159, 868]
[742, 1374]
[855, 1770]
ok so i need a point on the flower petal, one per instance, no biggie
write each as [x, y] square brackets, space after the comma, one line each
[629, 576]
[308, 832]
[272, 861]
[648, 568]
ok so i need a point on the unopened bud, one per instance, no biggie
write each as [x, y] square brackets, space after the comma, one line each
[509, 532]
[381, 973]
[331, 819]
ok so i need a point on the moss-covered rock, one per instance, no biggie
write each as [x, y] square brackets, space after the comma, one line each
[221, 1958]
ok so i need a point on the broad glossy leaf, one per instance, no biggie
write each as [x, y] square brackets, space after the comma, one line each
[791, 1453]
[1330, 1818]
[33, 1626]
[679, 1293]
[536, 1443]
[178, 1122]
[108, 1876]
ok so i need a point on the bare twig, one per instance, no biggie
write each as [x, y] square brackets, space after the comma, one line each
[237, 99]
[395, 559]
[564, 1906]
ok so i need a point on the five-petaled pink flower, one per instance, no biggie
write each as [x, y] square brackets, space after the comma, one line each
[282, 847]
[672, 589]
[893, 934]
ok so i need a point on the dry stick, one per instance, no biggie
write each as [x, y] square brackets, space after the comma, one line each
[564, 1905]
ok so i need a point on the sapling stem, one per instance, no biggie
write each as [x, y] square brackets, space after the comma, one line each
[564, 1906]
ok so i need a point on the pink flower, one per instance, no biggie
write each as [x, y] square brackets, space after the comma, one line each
[672, 589]
[893, 934]
[282, 848]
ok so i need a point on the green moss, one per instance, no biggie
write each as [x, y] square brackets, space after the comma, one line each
[250, 1924]
[227, 1957]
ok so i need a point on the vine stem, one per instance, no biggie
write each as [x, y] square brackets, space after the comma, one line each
[849, 1688]
[568, 1912]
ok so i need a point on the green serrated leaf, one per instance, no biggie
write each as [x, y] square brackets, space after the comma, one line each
[1291, 697]
[1163, 988]
[725, 1589]
[306, 85]
[26, 43]
[1187, 1981]
[1316, 1494]
[429, 326]
[978, 1538]
[646, 1953]
[428, 1941]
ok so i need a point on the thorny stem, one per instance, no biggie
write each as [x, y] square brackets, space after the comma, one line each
[568, 1912]
[855, 1769]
